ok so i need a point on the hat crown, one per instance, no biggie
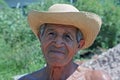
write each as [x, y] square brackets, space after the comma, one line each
[62, 8]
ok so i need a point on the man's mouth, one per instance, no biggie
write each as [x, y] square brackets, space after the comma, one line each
[56, 52]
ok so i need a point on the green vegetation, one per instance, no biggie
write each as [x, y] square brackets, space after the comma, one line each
[110, 14]
[20, 50]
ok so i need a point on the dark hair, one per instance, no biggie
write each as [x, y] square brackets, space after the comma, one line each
[79, 34]
[42, 29]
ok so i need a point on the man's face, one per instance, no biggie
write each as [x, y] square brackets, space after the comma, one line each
[59, 44]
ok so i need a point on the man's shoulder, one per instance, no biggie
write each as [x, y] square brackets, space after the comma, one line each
[27, 77]
[33, 76]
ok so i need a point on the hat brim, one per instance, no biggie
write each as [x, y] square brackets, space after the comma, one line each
[88, 23]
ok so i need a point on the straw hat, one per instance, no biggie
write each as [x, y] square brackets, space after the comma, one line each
[88, 23]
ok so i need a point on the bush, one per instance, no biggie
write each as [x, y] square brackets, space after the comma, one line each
[19, 48]
[109, 35]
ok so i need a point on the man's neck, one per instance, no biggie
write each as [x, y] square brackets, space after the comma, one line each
[60, 72]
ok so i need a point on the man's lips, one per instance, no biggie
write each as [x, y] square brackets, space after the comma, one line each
[57, 51]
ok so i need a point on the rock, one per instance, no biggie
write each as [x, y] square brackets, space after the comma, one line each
[108, 61]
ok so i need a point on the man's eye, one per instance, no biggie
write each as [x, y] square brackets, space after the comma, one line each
[68, 37]
[51, 33]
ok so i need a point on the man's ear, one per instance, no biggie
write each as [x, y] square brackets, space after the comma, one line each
[81, 44]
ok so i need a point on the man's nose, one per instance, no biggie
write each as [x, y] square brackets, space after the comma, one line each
[58, 41]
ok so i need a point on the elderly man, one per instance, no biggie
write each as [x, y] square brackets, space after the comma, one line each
[63, 31]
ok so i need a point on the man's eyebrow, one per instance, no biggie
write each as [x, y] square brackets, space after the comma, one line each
[49, 29]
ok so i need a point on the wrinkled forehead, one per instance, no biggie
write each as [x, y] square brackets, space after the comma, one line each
[69, 28]
[65, 29]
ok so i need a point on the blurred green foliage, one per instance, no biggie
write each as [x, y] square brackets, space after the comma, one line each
[19, 48]
[109, 11]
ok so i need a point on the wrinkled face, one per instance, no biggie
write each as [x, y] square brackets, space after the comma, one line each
[59, 44]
